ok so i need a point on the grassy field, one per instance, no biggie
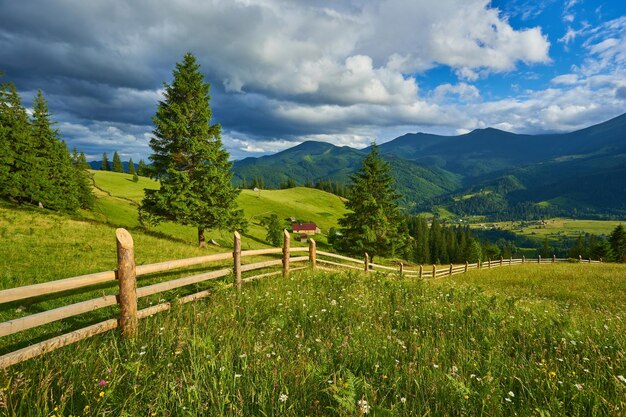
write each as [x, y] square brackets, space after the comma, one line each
[557, 227]
[528, 340]
[118, 198]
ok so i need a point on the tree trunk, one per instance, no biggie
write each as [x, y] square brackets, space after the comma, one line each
[201, 239]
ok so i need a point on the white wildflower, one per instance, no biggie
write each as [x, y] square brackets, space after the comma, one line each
[511, 394]
[365, 407]
[283, 398]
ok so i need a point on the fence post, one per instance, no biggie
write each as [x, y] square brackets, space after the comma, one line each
[312, 254]
[600, 260]
[466, 265]
[523, 259]
[421, 271]
[366, 263]
[539, 259]
[434, 270]
[478, 264]
[488, 262]
[237, 260]
[510, 260]
[286, 245]
[553, 258]
[501, 260]
[450, 273]
[127, 277]
[580, 258]
[401, 269]
[589, 260]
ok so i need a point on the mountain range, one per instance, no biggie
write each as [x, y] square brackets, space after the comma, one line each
[487, 171]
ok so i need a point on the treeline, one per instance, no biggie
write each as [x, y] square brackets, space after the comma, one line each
[611, 248]
[438, 243]
[35, 164]
[117, 165]
[333, 187]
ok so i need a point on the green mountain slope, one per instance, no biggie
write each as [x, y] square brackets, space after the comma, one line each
[312, 161]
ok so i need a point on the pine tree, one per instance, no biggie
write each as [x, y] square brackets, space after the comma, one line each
[61, 183]
[373, 220]
[131, 167]
[274, 230]
[105, 166]
[142, 169]
[83, 161]
[189, 160]
[117, 163]
[617, 239]
[18, 180]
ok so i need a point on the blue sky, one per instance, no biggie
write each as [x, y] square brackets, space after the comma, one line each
[346, 72]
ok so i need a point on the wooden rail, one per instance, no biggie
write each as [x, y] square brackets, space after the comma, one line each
[127, 272]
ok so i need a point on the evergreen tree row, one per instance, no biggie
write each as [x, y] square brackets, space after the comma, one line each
[117, 166]
[333, 187]
[440, 244]
[35, 164]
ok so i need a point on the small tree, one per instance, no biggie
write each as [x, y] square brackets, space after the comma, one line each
[373, 221]
[617, 239]
[142, 169]
[105, 165]
[189, 160]
[274, 230]
[117, 163]
[131, 167]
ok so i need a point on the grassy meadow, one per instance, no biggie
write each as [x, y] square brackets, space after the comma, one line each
[557, 227]
[508, 341]
[118, 198]
[527, 340]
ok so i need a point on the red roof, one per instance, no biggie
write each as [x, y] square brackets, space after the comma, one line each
[297, 227]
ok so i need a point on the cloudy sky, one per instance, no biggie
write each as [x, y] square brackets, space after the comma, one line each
[346, 72]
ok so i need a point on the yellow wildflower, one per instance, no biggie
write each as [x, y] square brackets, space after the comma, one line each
[552, 374]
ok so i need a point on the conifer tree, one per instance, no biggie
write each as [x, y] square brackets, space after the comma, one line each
[142, 169]
[131, 167]
[189, 159]
[105, 166]
[117, 163]
[17, 179]
[373, 221]
[274, 230]
[617, 239]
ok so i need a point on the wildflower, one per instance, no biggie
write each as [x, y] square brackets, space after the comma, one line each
[403, 400]
[365, 407]
[466, 396]
[621, 378]
[579, 386]
[101, 394]
[435, 366]
[511, 394]
[102, 382]
[237, 375]
[283, 398]
[552, 374]
[508, 399]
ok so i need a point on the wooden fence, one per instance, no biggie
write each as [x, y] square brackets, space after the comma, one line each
[127, 272]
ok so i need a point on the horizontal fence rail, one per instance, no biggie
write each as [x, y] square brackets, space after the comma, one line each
[127, 272]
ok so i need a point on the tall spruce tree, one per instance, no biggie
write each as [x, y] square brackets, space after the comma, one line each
[142, 169]
[18, 179]
[131, 167]
[373, 221]
[617, 239]
[189, 159]
[117, 163]
[57, 185]
[105, 165]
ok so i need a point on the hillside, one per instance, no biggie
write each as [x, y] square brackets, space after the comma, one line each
[313, 161]
[118, 198]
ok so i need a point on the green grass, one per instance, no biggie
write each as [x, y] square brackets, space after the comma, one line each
[487, 343]
[558, 227]
[118, 198]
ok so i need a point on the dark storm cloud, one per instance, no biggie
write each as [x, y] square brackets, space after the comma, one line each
[280, 70]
